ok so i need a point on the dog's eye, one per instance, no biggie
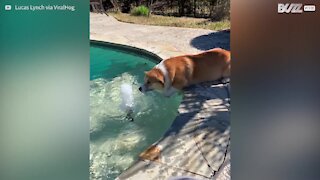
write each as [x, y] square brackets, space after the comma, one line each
[148, 82]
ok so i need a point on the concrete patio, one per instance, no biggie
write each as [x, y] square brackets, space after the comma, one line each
[163, 41]
[198, 142]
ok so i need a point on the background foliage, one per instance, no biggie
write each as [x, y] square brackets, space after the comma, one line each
[140, 11]
[213, 9]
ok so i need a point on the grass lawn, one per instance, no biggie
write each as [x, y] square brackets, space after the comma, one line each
[173, 21]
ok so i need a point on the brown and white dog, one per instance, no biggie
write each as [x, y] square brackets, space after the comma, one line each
[178, 72]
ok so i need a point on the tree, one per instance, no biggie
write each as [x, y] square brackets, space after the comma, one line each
[115, 5]
[150, 2]
[181, 4]
[213, 9]
[194, 8]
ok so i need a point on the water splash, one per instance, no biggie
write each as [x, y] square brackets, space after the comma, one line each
[127, 100]
[127, 97]
[114, 142]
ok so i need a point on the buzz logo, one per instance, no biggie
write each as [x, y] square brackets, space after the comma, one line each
[290, 8]
[295, 8]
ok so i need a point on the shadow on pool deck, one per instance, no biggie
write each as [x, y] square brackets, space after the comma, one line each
[213, 40]
[197, 142]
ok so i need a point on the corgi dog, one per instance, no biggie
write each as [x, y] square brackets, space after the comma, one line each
[176, 73]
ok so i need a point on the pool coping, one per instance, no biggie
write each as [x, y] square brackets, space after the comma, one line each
[148, 54]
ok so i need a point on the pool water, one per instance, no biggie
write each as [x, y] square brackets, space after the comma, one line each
[115, 142]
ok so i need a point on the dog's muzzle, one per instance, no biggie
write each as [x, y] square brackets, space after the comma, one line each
[144, 89]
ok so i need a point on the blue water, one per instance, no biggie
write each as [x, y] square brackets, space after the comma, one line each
[110, 62]
[115, 142]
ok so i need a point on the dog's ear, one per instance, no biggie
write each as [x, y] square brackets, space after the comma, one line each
[160, 79]
[158, 75]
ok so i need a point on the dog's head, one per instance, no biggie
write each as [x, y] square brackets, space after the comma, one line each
[153, 80]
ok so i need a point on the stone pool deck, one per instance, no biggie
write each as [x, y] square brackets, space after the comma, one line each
[162, 41]
[198, 142]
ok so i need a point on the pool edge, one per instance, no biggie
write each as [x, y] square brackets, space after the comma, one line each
[137, 50]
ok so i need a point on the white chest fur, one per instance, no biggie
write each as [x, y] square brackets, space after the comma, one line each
[169, 90]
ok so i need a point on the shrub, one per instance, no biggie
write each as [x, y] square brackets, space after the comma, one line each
[140, 11]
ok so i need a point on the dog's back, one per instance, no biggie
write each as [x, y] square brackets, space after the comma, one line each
[178, 72]
[191, 69]
[211, 65]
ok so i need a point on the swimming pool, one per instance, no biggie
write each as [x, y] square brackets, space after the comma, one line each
[115, 142]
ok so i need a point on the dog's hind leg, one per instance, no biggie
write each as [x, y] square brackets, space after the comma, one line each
[226, 75]
[227, 72]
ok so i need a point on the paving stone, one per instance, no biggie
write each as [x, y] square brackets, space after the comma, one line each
[213, 142]
[145, 170]
[224, 172]
[183, 124]
[182, 152]
[170, 41]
